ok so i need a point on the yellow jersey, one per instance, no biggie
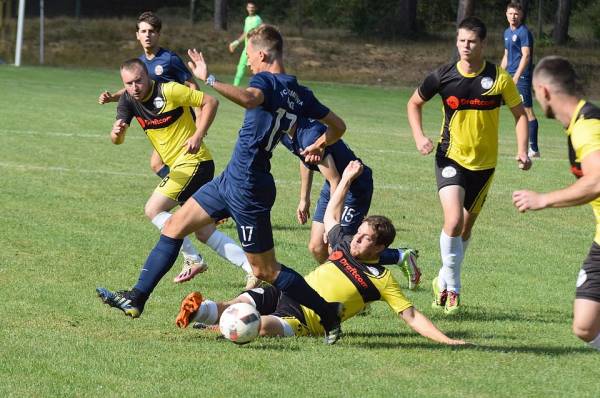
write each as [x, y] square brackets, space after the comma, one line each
[167, 119]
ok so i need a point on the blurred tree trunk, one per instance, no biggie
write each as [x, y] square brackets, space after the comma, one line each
[561, 25]
[300, 17]
[220, 14]
[408, 16]
[192, 11]
[525, 4]
[465, 9]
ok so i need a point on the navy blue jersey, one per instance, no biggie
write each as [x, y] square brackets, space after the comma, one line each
[166, 66]
[514, 41]
[284, 102]
[307, 132]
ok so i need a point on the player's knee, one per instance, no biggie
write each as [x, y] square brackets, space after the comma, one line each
[318, 250]
[150, 211]
[584, 332]
[173, 229]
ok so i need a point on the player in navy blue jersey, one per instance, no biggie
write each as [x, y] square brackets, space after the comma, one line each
[356, 204]
[518, 62]
[245, 190]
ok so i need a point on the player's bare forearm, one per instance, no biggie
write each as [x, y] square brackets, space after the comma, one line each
[504, 61]
[522, 133]
[247, 98]
[306, 179]
[584, 190]
[333, 212]
[525, 57]
[207, 114]
[414, 109]
[422, 325]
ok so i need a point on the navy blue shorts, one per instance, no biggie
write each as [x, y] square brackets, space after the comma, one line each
[356, 206]
[524, 87]
[253, 226]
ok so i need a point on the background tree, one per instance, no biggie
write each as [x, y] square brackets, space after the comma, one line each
[560, 34]
[220, 14]
[465, 9]
[408, 16]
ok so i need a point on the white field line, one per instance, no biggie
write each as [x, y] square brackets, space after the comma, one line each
[105, 136]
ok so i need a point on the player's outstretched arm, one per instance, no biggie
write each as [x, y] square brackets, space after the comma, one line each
[522, 132]
[248, 98]
[306, 179]
[414, 108]
[117, 134]
[422, 325]
[333, 212]
[584, 190]
[335, 130]
[106, 97]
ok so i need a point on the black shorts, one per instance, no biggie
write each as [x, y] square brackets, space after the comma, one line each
[271, 301]
[206, 172]
[476, 183]
[588, 281]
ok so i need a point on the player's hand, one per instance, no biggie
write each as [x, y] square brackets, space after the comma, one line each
[528, 200]
[352, 170]
[303, 211]
[197, 64]
[523, 162]
[233, 45]
[105, 97]
[424, 145]
[119, 127]
[193, 143]
[313, 154]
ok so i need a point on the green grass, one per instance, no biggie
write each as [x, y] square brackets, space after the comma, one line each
[72, 219]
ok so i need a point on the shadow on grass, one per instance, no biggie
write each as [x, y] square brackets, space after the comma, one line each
[485, 314]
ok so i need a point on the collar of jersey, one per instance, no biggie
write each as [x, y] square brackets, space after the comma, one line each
[475, 74]
[576, 114]
[146, 98]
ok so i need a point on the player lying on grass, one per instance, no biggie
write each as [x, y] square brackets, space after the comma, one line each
[356, 203]
[246, 191]
[351, 276]
[559, 93]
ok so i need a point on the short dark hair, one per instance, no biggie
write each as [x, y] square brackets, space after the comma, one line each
[268, 38]
[134, 63]
[560, 74]
[474, 24]
[385, 233]
[514, 5]
[150, 18]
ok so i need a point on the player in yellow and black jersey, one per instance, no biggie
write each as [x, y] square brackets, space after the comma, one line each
[350, 276]
[559, 94]
[163, 111]
[472, 91]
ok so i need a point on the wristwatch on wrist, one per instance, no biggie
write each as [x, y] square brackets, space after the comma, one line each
[211, 80]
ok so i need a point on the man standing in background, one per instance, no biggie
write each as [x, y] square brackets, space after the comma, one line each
[518, 62]
[252, 21]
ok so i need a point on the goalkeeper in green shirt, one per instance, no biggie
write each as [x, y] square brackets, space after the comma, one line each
[252, 21]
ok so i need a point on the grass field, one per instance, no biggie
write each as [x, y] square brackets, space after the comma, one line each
[72, 219]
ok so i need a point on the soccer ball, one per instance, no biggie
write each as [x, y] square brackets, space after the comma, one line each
[240, 323]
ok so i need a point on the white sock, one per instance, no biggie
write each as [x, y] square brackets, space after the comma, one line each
[595, 343]
[465, 245]
[227, 248]
[187, 248]
[451, 249]
[208, 313]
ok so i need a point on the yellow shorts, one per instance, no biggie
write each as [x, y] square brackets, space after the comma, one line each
[186, 178]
